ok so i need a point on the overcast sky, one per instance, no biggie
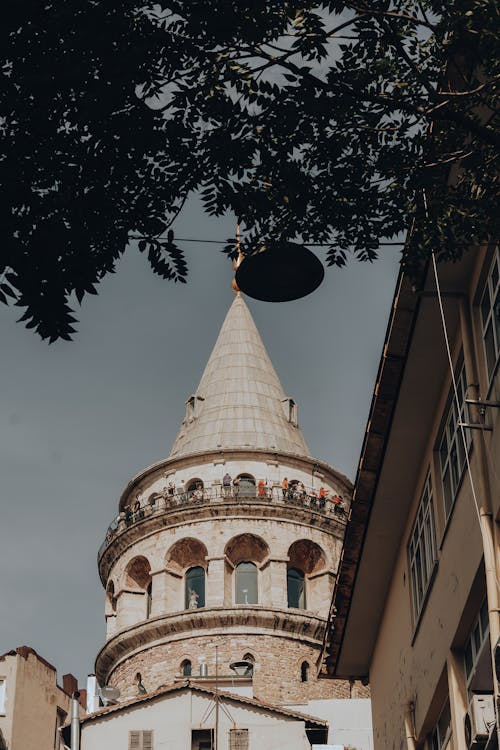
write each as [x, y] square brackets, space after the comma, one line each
[79, 419]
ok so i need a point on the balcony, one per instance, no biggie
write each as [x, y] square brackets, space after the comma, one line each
[171, 501]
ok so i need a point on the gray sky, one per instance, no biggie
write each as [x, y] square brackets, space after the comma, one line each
[78, 420]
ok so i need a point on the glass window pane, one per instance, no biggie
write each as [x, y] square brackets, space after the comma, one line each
[477, 639]
[296, 588]
[444, 722]
[496, 318]
[489, 348]
[195, 588]
[468, 658]
[485, 626]
[485, 306]
[246, 583]
[494, 276]
[455, 473]
[448, 497]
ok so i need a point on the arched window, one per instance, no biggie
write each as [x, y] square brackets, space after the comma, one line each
[245, 486]
[246, 583]
[304, 671]
[195, 588]
[296, 588]
[149, 599]
[186, 668]
[194, 484]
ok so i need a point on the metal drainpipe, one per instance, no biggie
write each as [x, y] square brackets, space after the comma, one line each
[409, 725]
[75, 722]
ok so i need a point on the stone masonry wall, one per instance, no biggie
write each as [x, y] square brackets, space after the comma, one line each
[277, 669]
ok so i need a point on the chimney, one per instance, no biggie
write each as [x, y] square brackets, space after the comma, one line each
[70, 684]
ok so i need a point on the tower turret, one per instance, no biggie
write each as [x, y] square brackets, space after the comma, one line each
[232, 542]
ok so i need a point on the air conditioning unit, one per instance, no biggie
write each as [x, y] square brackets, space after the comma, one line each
[479, 720]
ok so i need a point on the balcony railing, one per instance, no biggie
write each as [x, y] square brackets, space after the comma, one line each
[172, 499]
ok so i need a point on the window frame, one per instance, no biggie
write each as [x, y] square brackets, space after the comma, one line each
[481, 625]
[491, 290]
[302, 598]
[422, 549]
[141, 745]
[236, 576]
[436, 741]
[201, 600]
[3, 695]
[450, 444]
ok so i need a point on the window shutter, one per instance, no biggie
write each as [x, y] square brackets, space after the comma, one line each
[140, 740]
[238, 739]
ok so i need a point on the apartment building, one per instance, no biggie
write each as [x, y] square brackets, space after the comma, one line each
[416, 603]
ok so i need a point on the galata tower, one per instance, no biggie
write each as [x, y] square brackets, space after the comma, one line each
[231, 542]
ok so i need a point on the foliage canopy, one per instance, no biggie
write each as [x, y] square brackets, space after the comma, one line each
[322, 121]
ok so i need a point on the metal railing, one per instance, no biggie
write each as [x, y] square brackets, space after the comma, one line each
[171, 499]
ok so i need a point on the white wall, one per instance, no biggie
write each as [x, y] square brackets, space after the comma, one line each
[349, 720]
[172, 717]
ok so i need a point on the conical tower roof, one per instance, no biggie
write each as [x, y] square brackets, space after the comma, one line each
[239, 402]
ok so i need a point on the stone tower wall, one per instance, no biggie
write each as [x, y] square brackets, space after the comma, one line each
[277, 671]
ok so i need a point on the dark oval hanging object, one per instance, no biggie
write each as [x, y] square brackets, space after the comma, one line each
[280, 272]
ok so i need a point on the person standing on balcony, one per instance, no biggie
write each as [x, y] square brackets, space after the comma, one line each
[284, 488]
[261, 487]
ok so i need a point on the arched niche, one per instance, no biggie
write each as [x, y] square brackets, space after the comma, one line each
[135, 598]
[246, 547]
[186, 669]
[194, 484]
[110, 598]
[244, 485]
[308, 559]
[307, 556]
[186, 553]
[138, 573]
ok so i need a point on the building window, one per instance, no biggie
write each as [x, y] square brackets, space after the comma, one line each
[304, 671]
[422, 549]
[490, 317]
[477, 661]
[451, 446]
[441, 735]
[238, 739]
[60, 719]
[186, 668]
[246, 583]
[140, 740]
[195, 588]
[290, 407]
[2, 696]
[296, 588]
[149, 599]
